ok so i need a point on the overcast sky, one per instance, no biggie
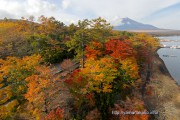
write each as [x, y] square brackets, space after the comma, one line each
[161, 13]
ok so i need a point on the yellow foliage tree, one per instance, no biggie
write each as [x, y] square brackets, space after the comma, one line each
[12, 79]
[100, 74]
[131, 67]
[6, 110]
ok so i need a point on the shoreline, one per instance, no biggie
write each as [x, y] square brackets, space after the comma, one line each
[165, 92]
[165, 70]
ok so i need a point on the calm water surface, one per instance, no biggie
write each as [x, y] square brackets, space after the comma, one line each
[172, 62]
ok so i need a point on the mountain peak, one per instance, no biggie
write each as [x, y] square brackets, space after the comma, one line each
[129, 24]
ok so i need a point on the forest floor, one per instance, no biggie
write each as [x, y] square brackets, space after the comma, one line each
[62, 97]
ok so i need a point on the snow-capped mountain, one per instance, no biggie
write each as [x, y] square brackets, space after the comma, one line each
[129, 24]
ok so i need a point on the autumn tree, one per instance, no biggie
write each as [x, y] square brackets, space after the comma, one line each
[15, 70]
[26, 37]
[94, 50]
[96, 29]
[130, 109]
[111, 63]
[13, 38]
[80, 39]
[52, 51]
[13, 86]
[106, 75]
[71, 30]
[101, 30]
[145, 46]
[57, 114]
[38, 93]
[105, 79]
[52, 28]
[120, 49]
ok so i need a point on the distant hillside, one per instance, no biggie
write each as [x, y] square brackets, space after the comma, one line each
[5, 19]
[159, 32]
[129, 24]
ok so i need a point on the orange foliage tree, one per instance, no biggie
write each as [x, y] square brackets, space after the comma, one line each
[14, 72]
[13, 86]
[94, 50]
[39, 85]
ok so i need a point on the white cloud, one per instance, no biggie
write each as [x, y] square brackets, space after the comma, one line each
[19, 8]
[170, 21]
[65, 4]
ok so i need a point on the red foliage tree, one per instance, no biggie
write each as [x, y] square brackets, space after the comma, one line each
[119, 49]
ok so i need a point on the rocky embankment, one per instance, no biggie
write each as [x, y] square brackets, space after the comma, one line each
[163, 92]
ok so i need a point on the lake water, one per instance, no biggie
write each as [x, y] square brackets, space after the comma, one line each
[172, 56]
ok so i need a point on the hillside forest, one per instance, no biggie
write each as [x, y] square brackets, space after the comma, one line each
[53, 71]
